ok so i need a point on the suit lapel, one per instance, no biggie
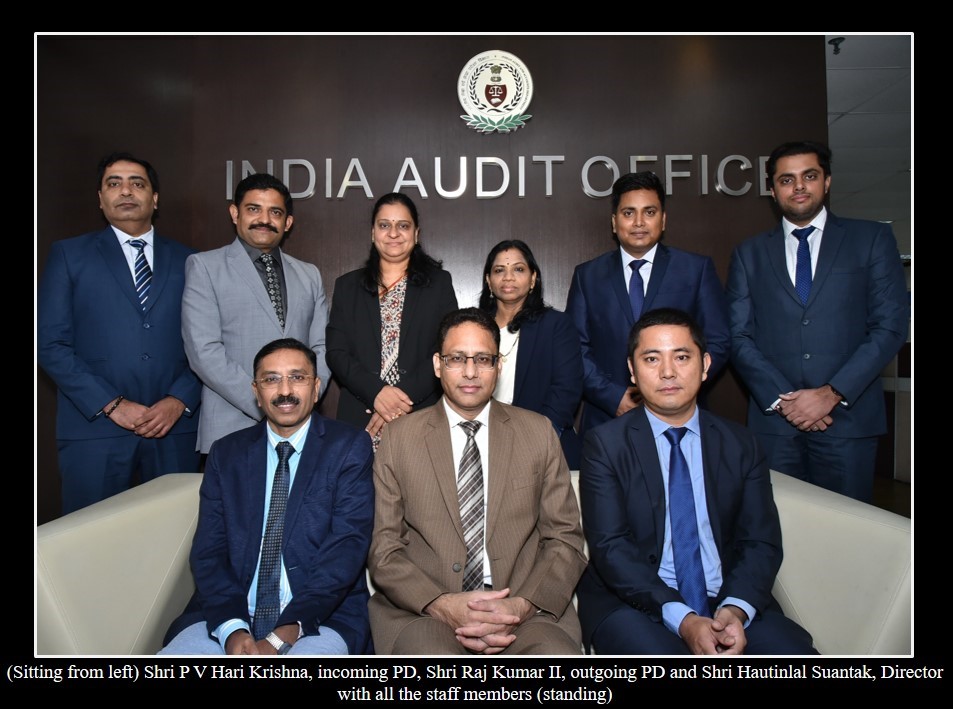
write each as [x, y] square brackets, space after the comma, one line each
[437, 441]
[253, 484]
[526, 355]
[160, 270]
[116, 264]
[242, 265]
[831, 241]
[711, 460]
[779, 264]
[659, 267]
[312, 461]
[614, 275]
[501, 445]
[641, 442]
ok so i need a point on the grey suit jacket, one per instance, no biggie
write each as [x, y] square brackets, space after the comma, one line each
[533, 535]
[227, 317]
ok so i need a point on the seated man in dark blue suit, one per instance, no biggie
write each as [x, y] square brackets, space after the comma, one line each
[610, 292]
[109, 334]
[285, 519]
[684, 537]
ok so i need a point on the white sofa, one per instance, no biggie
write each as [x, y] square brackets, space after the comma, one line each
[111, 577]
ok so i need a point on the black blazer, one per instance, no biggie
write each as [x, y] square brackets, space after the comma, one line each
[354, 342]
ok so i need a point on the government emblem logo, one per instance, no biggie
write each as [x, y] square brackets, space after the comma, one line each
[495, 89]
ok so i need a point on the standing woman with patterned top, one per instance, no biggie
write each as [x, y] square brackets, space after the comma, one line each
[382, 332]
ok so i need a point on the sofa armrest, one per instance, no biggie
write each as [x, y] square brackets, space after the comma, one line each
[846, 570]
[111, 577]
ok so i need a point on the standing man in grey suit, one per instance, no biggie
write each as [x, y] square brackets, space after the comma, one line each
[242, 296]
[818, 307]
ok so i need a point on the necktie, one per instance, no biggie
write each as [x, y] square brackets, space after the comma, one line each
[274, 286]
[802, 271]
[686, 549]
[636, 288]
[470, 495]
[143, 277]
[268, 598]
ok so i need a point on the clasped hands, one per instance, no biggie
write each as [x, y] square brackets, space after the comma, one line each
[808, 409]
[483, 621]
[722, 635]
[389, 404]
[147, 421]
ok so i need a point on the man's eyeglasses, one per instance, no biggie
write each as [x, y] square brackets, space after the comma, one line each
[273, 381]
[459, 361]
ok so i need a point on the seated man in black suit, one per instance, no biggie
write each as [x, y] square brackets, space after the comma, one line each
[684, 537]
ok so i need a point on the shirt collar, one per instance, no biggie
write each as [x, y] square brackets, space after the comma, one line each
[659, 427]
[124, 237]
[627, 257]
[254, 254]
[296, 439]
[818, 222]
[454, 418]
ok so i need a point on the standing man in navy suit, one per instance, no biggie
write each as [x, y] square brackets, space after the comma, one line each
[818, 307]
[109, 335]
[684, 537]
[610, 292]
[285, 520]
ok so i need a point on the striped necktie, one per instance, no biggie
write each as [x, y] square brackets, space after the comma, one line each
[143, 277]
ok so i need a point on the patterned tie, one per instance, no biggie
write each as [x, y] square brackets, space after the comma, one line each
[802, 272]
[268, 598]
[274, 287]
[470, 494]
[143, 275]
[636, 288]
[686, 549]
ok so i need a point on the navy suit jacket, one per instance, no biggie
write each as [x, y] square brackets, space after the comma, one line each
[327, 531]
[623, 512]
[96, 343]
[855, 320]
[598, 303]
[549, 376]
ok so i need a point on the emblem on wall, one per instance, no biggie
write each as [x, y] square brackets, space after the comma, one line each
[495, 89]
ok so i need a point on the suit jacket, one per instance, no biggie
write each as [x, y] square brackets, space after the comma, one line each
[327, 531]
[855, 320]
[354, 342]
[227, 317]
[533, 537]
[95, 341]
[549, 376]
[623, 510]
[599, 305]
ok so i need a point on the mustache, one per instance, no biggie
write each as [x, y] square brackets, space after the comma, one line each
[285, 399]
[263, 226]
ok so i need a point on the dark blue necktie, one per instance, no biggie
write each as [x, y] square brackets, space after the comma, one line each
[268, 598]
[636, 288]
[689, 572]
[143, 275]
[802, 272]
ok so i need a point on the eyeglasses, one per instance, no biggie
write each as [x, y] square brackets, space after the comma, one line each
[384, 225]
[273, 381]
[459, 361]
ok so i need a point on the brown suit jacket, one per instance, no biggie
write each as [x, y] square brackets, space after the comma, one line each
[533, 535]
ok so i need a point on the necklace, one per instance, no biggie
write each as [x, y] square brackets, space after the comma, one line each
[504, 355]
[384, 288]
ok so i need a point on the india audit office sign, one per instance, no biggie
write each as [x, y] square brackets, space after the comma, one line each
[495, 89]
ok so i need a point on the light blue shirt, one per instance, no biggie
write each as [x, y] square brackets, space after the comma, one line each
[674, 613]
[645, 270]
[297, 440]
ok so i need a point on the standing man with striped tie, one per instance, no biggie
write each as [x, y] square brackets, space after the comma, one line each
[109, 335]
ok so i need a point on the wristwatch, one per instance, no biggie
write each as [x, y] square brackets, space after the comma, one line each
[280, 645]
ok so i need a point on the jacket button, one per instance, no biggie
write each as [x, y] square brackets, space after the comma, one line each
[805, 322]
[146, 325]
[457, 567]
[652, 558]
[807, 356]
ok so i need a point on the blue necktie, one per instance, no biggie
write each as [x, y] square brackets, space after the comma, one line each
[802, 272]
[689, 572]
[268, 597]
[636, 288]
[143, 275]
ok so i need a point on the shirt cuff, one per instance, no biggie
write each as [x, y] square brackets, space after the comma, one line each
[749, 609]
[222, 632]
[673, 613]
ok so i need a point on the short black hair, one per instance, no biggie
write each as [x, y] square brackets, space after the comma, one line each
[465, 315]
[264, 181]
[667, 316]
[286, 343]
[115, 157]
[799, 147]
[637, 181]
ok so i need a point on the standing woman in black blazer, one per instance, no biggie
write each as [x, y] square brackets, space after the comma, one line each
[382, 332]
[542, 360]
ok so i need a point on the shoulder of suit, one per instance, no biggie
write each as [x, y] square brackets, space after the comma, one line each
[173, 245]
[725, 426]
[676, 253]
[84, 240]
[521, 417]
[599, 261]
[288, 258]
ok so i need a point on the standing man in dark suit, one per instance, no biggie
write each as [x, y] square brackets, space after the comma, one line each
[477, 546]
[109, 335]
[818, 307]
[610, 292]
[684, 537]
[244, 295]
[284, 525]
